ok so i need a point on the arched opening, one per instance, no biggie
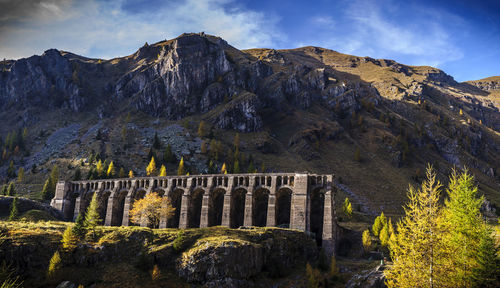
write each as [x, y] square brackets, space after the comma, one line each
[194, 210]
[139, 194]
[176, 201]
[283, 207]
[216, 207]
[118, 208]
[237, 213]
[259, 207]
[317, 213]
[70, 211]
[103, 204]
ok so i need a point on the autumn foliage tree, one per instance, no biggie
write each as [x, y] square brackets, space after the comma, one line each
[152, 208]
[151, 169]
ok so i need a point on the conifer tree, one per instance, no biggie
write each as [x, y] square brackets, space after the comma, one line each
[54, 265]
[20, 175]
[11, 191]
[163, 171]
[130, 174]
[486, 272]
[181, 170]
[384, 236]
[251, 168]
[111, 170]
[79, 228]
[54, 178]
[69, 239]
[347, 208]
[201, 129]
[367, 241]
[10, 171]
[236, 168]
[14, 213]
[156, 142]
[462, 218]
[203, 147]
[151, 169]
[99, 168]
[223, 170]
[168, 155]
[92, 218]
[78, 174]
[419, 254]
[121, 173]
[46, 195]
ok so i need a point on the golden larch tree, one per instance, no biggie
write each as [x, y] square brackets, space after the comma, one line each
[151, 169]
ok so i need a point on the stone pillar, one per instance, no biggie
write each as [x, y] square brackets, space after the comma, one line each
[271, 211]
[129, 200]
[271, 204]
[204, 209]
[78, 204]
[299, 213]
[329, 221]
[183, 219]
[110, 210]
[247, 221]
[226, 209]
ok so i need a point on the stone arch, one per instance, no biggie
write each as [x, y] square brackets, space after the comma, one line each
[283, 207]
[194, 208]
[176, 201]
[103, 198]
[317, 213]
[237, 213]
[118, 207]
[216, 207]
[260, 202]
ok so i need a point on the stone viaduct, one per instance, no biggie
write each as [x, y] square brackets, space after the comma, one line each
[292, 200]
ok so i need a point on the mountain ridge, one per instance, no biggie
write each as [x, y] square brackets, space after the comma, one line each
[306, 108]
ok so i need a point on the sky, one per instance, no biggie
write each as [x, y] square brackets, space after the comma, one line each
[458, 36]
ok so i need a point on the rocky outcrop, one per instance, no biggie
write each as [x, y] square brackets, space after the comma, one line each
[24, 205]
[368, 279]
[216, 258]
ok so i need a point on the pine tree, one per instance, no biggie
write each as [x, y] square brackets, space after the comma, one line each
[121, 173]
[78, 174]
[419, 254]
[237, 141]
[201, 129]
[251, 168]
[54, 265]
[156, 142]
[236, 168]
[384, 236]
[347, 208]
[111, 170]
[79, 228]
[486, 272]
[14, 213]
[11, 191]
[163, 171]
[92, 218]
[11, 173]
[181, 170]
[46, 194]
[69, 239]
[367, 241]
[99, 168]
[54, 178]
[462, 218]
[151, 169]
[130, 174]
[168, 155]
[20, 175]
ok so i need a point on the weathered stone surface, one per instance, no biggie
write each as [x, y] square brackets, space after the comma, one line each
[368, 279]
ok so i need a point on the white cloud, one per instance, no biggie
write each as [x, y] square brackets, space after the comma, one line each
[322, 20]
[103, 29]
[379, 29]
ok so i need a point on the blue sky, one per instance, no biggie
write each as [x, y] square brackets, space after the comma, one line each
[460, 37]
